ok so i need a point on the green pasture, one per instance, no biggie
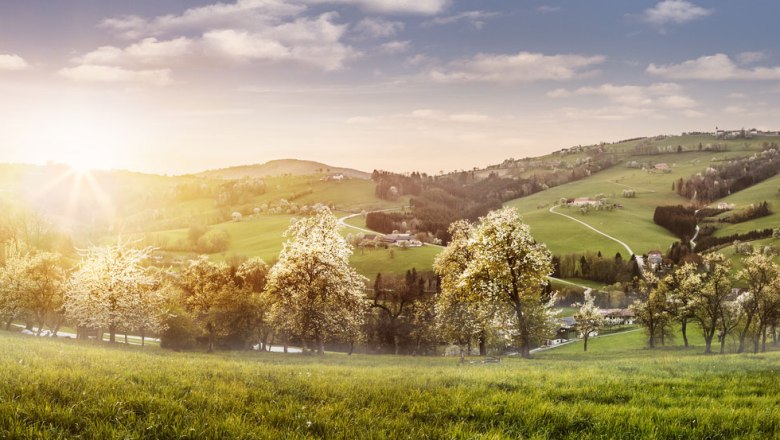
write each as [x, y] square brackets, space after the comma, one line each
[618, 390]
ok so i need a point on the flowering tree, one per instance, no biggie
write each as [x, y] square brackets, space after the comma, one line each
[684, 283]
[588, 318]
[44, 298]
[652, 309]
[759, 273]
[459, 319]
[708, 292]
[103, 292]
[14, 285]
[505, 274]
[316, 294]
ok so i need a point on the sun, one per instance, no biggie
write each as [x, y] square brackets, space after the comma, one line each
[83, 162]
[85, 138]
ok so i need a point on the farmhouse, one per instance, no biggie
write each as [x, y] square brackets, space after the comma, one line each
[663, 167]
[725, 205]
[335, 177]
[585, 201]
[395, 238]
[654, 259]
[618, 316]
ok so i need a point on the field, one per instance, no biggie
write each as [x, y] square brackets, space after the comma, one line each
[764, 191]
[61, 389]
[633, 224]
[263, 237]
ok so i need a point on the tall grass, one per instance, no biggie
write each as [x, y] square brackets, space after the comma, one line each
[59, 389]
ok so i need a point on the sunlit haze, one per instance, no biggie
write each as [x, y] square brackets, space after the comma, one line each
[174, 87]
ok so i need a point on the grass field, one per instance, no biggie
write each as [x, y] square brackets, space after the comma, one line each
[263, 237]
[632, 224]
[764, 191]
[64, 389]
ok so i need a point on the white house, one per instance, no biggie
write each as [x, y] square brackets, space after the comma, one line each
[585, 201]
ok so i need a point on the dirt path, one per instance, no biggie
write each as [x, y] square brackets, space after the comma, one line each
[630, 252]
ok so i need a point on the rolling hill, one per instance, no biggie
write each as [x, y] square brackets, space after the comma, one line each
[282, 167]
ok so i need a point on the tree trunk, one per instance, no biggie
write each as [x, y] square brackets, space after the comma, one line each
[684, 331]
[763, 340]
[585, 340]
[743, 334]
[396, 344]
[320, 347]
[126, 343]
[482, 344]
[351, 347]
[111, 334]
[143, 337]
[210, 329]
[57, 327]
[285, 343]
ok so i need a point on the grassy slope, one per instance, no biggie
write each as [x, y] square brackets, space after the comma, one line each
[262, 237]
[63, 389]
[764, 191]
[634, 223]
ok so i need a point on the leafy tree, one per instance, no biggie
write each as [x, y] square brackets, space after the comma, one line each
[102, 293]
[588, 319]
[759, 274]
[209, 295]
[506, 275]
[652, 309]
[46, 278]
[459, 318]
[14, 285]
[709, 291]
[317, 296]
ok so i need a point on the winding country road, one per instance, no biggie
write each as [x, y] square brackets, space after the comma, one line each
[630, 252]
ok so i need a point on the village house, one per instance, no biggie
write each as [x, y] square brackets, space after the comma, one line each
[654, 259]
[618, 316]
[663, 167]
[725, 205]
[395, 238]
[585, 201]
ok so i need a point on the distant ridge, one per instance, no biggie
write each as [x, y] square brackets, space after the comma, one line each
[281, 167]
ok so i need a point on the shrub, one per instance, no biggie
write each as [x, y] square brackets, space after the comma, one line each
[180, 331]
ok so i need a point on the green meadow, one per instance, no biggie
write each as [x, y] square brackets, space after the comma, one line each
[617, 390]
[263, 237]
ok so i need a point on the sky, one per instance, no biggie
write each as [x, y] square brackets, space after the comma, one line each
[175, 87]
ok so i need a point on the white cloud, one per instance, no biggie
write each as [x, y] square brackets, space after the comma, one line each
[315, 41]
[624, 102]
[674, 12]
[718, 67]
[426, 115]
[413, 7]
[547, 9]
[310, 41]
[751, 57]
[394, 47]
[247, 14]
[737, 95]
[522, 67]
[147, 51]
[110, 74]
[660, 95]
[420, 59]
[378, 28]
[734, 110]
[476, 18]
[12, 62]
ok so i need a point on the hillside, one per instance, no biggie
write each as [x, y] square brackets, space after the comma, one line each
[282, 167]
